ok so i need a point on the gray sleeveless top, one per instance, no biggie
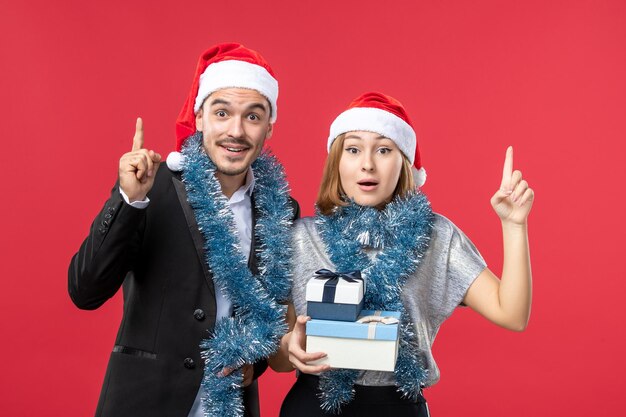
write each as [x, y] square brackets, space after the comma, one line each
[430, 295]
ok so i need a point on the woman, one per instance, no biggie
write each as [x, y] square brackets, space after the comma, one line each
[371, 218]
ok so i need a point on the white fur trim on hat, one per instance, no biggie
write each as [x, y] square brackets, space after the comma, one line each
[379, 121]
[175, 161]
[237, 74]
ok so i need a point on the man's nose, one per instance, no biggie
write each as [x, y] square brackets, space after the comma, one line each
[235, 127]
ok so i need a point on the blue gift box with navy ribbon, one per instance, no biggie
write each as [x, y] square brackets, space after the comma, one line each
[370, 343]
[335, 295]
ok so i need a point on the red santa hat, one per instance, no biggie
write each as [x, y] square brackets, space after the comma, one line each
[382, 114]
[226, 65]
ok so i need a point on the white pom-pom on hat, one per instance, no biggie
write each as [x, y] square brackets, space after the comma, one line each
[175, 161]
[419, 176]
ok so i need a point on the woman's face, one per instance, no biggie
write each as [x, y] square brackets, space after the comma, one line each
[369, 167]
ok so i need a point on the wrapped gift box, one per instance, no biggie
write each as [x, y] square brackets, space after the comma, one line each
[368, 346]
[335, 298]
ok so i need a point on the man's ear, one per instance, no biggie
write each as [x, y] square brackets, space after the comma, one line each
[269, 131]
[199, 120]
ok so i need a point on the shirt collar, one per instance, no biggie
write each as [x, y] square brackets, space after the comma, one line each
[246, 189]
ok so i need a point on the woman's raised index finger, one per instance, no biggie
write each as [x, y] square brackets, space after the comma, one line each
[138, 138]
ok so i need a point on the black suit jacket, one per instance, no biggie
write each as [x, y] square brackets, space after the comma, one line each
[157, 255]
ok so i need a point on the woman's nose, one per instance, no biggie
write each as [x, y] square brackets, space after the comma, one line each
[368, 163]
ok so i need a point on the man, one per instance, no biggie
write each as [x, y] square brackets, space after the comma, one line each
[199, 249]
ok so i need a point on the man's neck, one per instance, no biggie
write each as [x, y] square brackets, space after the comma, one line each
[231, 183]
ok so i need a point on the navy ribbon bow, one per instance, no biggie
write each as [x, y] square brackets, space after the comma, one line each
[330, 286]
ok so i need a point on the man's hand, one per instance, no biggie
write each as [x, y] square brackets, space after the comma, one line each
[246, 370]
[138, 167]
[513, 201]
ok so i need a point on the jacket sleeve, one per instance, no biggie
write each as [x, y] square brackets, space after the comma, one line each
[296, 208]
[107, 255]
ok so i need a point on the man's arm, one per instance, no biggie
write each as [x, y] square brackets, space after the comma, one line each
[99, 267]
[106, 256]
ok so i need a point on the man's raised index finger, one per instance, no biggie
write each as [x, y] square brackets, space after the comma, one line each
[507, 171]
[138, 138]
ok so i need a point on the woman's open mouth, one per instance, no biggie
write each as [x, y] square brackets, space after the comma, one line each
[367, 184]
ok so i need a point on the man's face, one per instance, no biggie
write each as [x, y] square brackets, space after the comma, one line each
[234, 123]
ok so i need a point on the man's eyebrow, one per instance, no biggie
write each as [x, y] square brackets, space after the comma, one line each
[220, 101]
[260, 106]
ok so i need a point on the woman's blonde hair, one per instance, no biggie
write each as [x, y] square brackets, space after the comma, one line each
[331, 193]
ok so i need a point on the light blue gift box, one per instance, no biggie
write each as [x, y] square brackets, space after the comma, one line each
[367, 346]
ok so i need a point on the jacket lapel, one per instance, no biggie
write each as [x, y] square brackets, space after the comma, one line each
[192, 225]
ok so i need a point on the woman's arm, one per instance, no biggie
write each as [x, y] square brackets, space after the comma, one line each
[279, 362]
[506, 302]
[291, 354]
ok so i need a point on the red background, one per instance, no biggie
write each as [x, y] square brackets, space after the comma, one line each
[545, 76]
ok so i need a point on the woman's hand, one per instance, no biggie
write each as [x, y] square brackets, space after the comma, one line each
[513, 201]
[298, 357]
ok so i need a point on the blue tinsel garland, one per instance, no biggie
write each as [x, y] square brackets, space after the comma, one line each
[402, 233]
[259, 322]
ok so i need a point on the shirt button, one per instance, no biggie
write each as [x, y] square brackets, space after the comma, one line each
[199, 315]
[108, 216]
[189, 363]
